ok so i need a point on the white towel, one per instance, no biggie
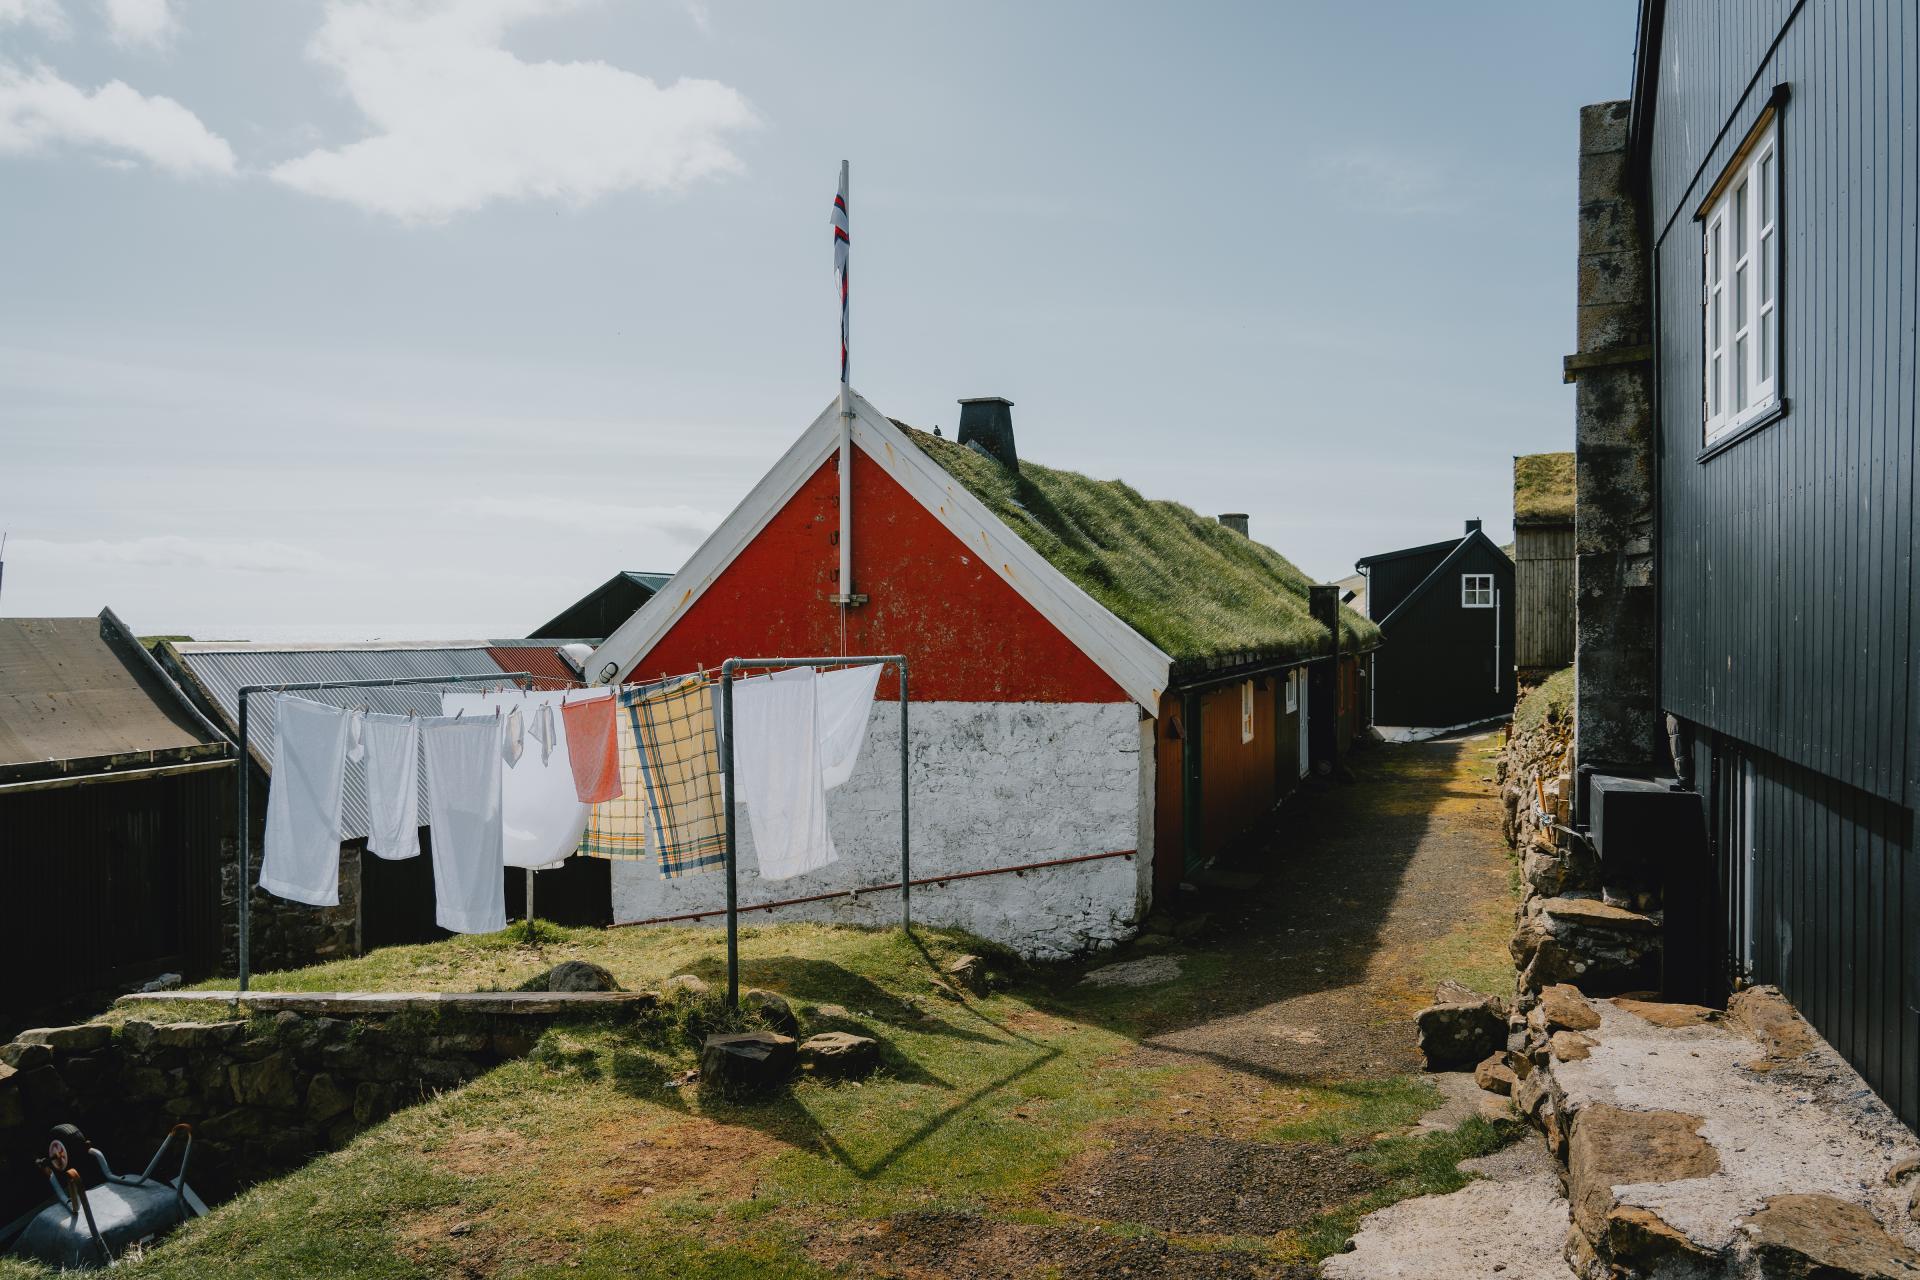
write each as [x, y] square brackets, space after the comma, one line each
[543, 816]
[310, 745]
[464, 769]
[393, 785]
[776, 764]
[845, 703]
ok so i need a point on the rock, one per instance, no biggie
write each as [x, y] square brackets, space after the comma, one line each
[1902, 1170]
[686, 984]
[81, 1039]
[1592, 913]
[1664, 1014]
[196, 1035]
[1546, 874]
[371, 1102]
[42, 1092]
[969, 972]
[1766, 1013]
[88, 1074]
[165, 982]
[1570, 1046]
[1815, 1237]
[1563, 1008]
[839, 1054]
[1610, 1146]
[26, 1057]
[577, 975]
[1495, 1076]
[1458, 1036]
[326, 1099]
[1648, 1243]
[752, 1062]
[1603, 949]
[946, 990]
[772, 1009]
[11, 1112]
[266, 1083]
[1145, 972]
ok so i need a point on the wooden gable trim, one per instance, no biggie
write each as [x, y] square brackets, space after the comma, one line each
[1738, 160]
[1128, 658]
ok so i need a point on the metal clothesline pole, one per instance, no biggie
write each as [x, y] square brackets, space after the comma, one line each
[727, 669]
[244, 838]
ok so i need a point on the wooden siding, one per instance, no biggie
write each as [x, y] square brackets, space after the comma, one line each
[107, 882]
[1543, 595]
[1784, 559]
[1835, 904]
[1236, 778]
[1437, 665]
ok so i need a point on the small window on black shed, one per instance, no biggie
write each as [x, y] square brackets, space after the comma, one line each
[1476, 591]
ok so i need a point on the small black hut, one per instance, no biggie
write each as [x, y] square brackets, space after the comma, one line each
[1445, 612]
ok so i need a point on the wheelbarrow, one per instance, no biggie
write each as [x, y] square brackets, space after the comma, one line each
[96, 1215]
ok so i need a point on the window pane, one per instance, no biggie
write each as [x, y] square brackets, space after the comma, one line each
[1713, 390]
[1766, 188]
[1739, 374]
[1766, 346]
[1766, 268]
[1739, 221]
[1739, 298]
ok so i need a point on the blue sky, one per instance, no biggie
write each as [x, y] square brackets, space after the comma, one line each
[351, 318]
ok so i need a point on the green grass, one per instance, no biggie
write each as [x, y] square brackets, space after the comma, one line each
[1543, 487]
[1551, 699]
[1184, 581]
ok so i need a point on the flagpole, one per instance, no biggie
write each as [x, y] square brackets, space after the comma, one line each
[845, 598]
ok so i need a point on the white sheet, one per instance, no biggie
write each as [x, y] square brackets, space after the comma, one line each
[845, 704]
[393, 785]
[311, 741]
[776, 763]
[543, 817]
[464, 771]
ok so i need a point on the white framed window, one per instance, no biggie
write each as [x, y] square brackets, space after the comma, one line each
[1293, 691]
[1740, 289]
[1246, 712]
[1476, 591]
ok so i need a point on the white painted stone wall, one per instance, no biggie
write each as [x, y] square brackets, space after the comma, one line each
[994, 784]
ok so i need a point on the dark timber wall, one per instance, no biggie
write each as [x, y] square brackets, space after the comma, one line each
[1785, 559]
[1543, 595]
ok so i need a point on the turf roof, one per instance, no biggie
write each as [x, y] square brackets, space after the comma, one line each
[1204, 594]
[1543, 487]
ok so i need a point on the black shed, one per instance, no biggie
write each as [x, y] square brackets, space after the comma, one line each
[1445, 612]
[599, 613]
[110, 817]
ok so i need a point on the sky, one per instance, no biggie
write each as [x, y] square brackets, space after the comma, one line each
[344, 319]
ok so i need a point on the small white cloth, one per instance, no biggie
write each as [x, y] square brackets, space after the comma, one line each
[311, 743]
[845, 704]
[543, 816]
[464, 771]
[776, 765]
[393, 785]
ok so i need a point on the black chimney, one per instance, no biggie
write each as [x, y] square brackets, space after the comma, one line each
[986, 422]
[1473, 526]
[1236, 521]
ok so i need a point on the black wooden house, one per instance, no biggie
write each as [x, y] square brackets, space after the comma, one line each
[1446, 614]
[1747, 371]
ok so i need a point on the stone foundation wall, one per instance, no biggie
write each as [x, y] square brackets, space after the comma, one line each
[289, 935]
[263, 1096]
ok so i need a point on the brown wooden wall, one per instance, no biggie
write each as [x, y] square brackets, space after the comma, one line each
[1543, 585]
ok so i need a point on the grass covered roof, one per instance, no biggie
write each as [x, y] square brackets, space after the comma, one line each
[1543, 486]
[1204, 594]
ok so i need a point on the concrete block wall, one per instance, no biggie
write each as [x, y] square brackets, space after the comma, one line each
[994, 784]
[1616, 610]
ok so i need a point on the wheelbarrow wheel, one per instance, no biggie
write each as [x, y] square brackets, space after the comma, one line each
[67, 1149]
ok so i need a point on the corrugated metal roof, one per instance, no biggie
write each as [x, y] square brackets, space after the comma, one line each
[539, 658]
[81, 689]
[221, 670]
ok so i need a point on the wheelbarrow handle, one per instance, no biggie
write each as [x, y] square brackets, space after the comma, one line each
[86, 1206]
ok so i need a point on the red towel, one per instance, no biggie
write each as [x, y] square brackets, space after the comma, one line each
[593, 748]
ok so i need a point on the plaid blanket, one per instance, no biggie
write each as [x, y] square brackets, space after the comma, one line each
[680, 772]
[617, 828]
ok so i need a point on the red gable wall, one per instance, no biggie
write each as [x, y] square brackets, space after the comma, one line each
[967, 635]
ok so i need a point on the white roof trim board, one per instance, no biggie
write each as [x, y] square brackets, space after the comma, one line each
[1135, 663]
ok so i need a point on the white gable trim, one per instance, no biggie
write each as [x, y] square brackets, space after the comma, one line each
[1129, 658]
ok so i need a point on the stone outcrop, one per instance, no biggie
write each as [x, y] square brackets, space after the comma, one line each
[1462, 1029]
[1602, 948]
[745, 1063]
[839, 1055]
[575, 975]
[1813, 1237]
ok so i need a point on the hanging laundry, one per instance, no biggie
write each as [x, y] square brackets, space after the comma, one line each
[679, 773]
[593, 748]
[393, 785]
[544, 729]
[311, 744]
[617, 826]
[776, 766]
[845, 705]
[464, 783]
[542, 817]
[516, 740]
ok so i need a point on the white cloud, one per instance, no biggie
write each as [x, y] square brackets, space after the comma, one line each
[141, 24]
[459, 122]
[39, 110]
[46, 15]
[169, 551]
[1389, 180]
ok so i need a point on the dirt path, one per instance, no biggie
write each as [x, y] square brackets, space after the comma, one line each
[1286, 1049]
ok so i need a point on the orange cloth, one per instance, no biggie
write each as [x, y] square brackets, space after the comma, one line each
[592, 748]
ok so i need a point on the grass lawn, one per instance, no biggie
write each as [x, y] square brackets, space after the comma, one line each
[585, 1159]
